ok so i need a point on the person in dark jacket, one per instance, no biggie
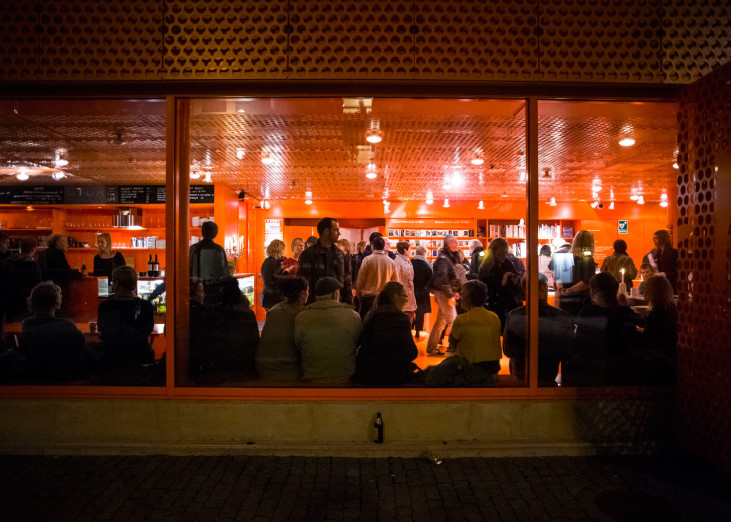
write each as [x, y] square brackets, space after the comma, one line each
[574, 295]
[22, 273]
[106, 259]
[606, 339]
[55, 267]
[476, 259]
[271, 271]
[555, 335]
[660, 338]
[325, 259]
[125, 323]
[53, 347]
[664, 258]
[387, 350]
[422, 278]
[504, 287]
[446, 286]
[208, 261]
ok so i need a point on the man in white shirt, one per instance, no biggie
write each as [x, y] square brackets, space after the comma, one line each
[375, 271]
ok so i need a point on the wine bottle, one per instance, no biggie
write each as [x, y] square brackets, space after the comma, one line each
[155, 267]
[149, 266]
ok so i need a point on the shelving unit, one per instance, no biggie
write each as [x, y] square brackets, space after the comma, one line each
[430, 233]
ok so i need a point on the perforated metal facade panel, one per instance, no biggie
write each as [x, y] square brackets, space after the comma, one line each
[704, 244]
[620, 41]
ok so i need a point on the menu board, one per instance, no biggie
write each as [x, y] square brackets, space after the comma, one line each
[35, 195]
[96, 194]
[90, 194]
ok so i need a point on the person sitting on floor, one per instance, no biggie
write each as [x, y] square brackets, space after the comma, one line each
[125, 323]
[475, 334]
[326, 335]
[277, 357]
[54, 348]
[555, 335]
[386, 347]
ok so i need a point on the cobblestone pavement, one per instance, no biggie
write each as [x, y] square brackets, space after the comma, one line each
[321, 488]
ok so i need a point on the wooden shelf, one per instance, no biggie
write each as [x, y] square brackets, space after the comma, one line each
[44, 229]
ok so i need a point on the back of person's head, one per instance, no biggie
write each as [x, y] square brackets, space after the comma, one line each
[476, 243]
[620, 246]
[659, 293]
[378, 243]
[605, 287]
[388, 295]
[402, 247]
[28, 245]
[344, 245]
[326, 287]
[545, 250]
[312, 240]
[125, 279]
[55, 240]
[475, 291]
[420, 250]
[45, 298]
[663, 237]
[361, 246]
[324, 224]
[542, 287]
[209, 229]
[275, 248]
[292, 287]
[230, 294]
[448, 239]
[583, 244]
[373, 236]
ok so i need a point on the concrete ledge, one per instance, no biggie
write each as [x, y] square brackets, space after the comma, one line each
[461, 428]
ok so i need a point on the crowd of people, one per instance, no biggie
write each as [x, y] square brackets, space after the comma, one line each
[335, 316]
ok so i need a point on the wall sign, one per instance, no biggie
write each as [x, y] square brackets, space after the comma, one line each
[35, 195]
[623, 226]
[96, 194]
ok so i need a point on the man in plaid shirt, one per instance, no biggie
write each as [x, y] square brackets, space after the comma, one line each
[325, 259]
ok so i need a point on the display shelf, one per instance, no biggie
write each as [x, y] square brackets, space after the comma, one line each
[42, 229]
[87, 249]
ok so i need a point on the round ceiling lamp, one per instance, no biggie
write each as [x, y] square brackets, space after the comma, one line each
[374, 136]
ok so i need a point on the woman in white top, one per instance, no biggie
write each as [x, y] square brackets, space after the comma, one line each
[405, 271]
[544, 260]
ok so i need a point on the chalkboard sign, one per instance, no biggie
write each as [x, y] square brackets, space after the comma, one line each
[201, 193]
[35, 195]
[90, 194]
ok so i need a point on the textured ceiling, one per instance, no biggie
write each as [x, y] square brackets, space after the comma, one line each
[318, 145]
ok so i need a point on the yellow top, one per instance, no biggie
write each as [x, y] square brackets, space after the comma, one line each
[476, 336]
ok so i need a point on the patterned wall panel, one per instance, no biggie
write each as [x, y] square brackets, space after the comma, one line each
[704, 244]
[621, 41]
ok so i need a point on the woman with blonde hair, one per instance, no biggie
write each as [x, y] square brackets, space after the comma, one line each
[271, 271]
[291, 264]
[106, 260]
[575, 295]
[504, 288]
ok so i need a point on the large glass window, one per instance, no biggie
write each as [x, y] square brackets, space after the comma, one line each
[82, 242]
[438, 181]
[607, 182]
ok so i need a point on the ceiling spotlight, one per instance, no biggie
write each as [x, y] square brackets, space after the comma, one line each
[641, 200]
[207, 178]
[371, 171]
[240, 153]
[552, 202]
[477, 160]
[22, 175]
[447, 185]
[675, 165]
[594, 204]
[446, 203]
[522, 176]
[481, 205]
[457, 179]
[308, 198]
[60, 159]
[429, 198]
[611, 205]
[634, 197]
[504, 195]
[627, 142]
[194, 174]
[58, 175]
[267, 159]
[265, 204]
[241, 111]
[663, 204]
[386, 207]
[374, 136]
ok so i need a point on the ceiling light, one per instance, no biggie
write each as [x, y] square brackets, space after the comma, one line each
[240, 153]
[194, 174]
[447, 183]
[386, 207]
[504, 195]
[634, 197]
[308, 198]
[241, 111]
[675, 165]
[594, 204]
[374, 136]
[207, 178]
[457, 179]
[481, 205]
[22, 176]
[522, 176]
[58, 175]
[627, 142]
[663, 204]
[429, 198]
[611, 205]
[477, 160]
[371, 171]
[446, 203]
[60, 160]
[265, 204]
[552, 202]
[641, 200]
[267, 159]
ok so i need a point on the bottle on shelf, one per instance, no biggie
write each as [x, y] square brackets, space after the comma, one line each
[155, 267]
[149, 266]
